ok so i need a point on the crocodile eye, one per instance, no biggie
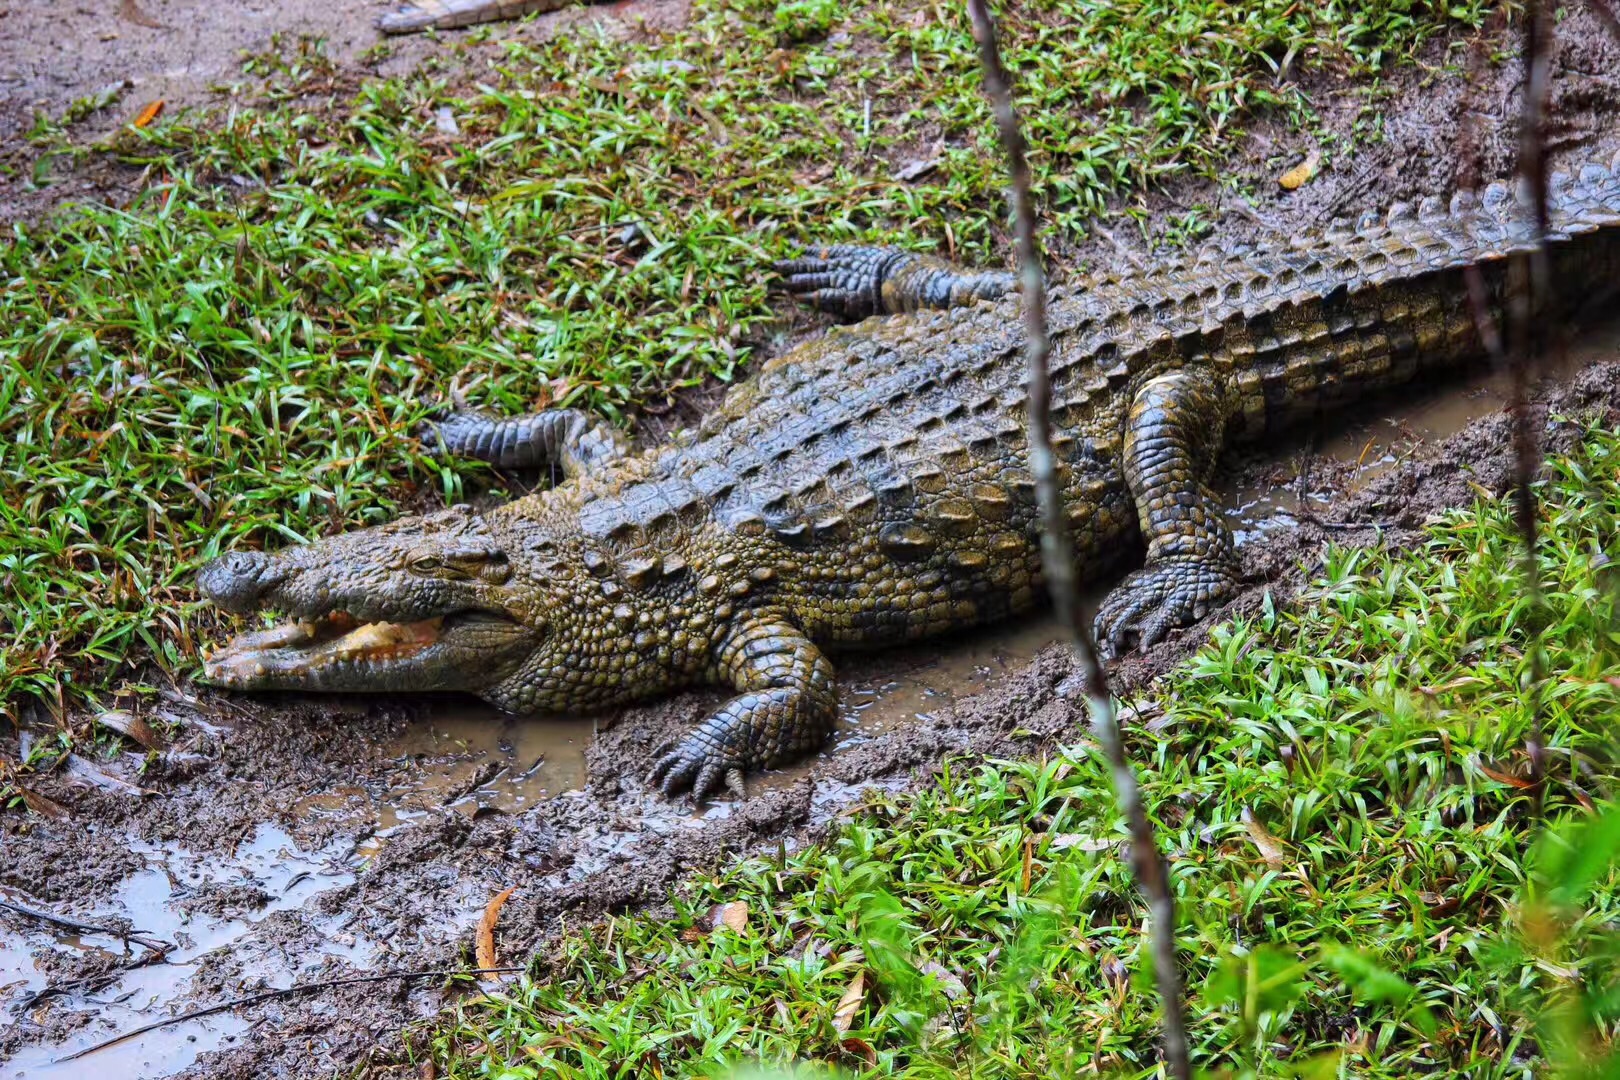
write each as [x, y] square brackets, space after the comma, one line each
[432, 566]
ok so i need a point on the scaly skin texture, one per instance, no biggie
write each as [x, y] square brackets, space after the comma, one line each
[871, 487]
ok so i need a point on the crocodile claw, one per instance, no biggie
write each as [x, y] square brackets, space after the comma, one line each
[844, 279]
[1156, 599]
[692, 764]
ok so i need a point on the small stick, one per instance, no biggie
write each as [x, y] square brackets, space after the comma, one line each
[1531, 286]
[271, 995]
[86, 928]
[1057, 554]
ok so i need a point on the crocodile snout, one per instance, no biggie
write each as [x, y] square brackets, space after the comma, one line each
[237, 581]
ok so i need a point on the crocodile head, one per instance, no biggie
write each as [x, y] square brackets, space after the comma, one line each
[423, 603]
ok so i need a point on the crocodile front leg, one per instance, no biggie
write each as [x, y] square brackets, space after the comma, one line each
[565, 437]
[785, 706]
[856, 281]
[1173, 437]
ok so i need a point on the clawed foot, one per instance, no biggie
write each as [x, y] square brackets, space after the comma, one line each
[1159, 598]
[696, 764]
[844, 279]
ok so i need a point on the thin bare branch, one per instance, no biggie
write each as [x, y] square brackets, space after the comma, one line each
[271, 995]
[1530, 282]
[1057, 553]
[126, 936]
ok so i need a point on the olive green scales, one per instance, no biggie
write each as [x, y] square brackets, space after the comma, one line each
[872, 487]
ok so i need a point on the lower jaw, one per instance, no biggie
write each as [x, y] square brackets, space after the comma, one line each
[272, 671]
[371, 657]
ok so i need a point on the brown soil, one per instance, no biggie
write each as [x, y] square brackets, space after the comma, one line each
[290, 840]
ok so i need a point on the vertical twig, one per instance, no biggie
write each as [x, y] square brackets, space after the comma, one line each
[1529, 284]
[1057, 553]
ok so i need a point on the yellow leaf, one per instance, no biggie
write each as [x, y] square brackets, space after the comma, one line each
[1300, 174]
[1272, 849]
[849, 1004]
[486, 932]
[149, 114]
[733, 916]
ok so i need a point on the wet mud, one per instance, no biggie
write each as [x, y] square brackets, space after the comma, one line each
[286, 840]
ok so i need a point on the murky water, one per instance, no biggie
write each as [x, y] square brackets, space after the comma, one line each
[1375, 439]
[208, 908]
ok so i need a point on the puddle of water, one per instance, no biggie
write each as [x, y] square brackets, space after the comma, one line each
[209, 907]
[959, 668]
[483, 758]
[467, 756]
[1375, 438]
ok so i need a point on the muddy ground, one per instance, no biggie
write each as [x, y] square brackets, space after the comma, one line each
[288, 840]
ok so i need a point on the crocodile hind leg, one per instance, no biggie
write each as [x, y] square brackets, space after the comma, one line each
[564, 437]
[786, 704]
[1173, 438]
[856, 281]
[446, 14]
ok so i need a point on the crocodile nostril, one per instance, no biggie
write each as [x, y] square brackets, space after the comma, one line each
[242, 563]
[236, 580]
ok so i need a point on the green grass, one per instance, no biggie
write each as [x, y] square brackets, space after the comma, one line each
[1374, 732]
[242, 356]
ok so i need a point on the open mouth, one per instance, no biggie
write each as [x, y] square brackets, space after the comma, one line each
[324, 649]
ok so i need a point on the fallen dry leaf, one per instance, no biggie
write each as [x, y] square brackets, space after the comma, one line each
[912, 170]
[149, 114]
[42, 805]
[130, 726]
[1272, 849]
[1300, 174]
[849, 1004]
[486, 932]
[732, 916]
[859, 1048]
[128, 9]
[1506, 778]
[1065, 841]
[82, 769]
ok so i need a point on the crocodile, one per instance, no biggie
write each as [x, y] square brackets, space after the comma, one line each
[871, 486]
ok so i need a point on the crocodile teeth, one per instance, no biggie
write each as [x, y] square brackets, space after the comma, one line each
[310, 644]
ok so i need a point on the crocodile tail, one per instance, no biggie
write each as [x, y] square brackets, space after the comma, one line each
[1360, 307]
